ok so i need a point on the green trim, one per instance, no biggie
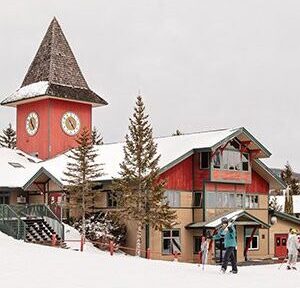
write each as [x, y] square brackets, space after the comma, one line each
[268, 170]
[40, 172]
[243, 213]
[286, 216]
[243, 130]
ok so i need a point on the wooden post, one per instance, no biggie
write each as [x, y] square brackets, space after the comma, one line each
[81, 243]
[53, 239]
[176, 256]
[111, 248]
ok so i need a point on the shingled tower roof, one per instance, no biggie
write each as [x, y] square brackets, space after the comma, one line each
[54, 72]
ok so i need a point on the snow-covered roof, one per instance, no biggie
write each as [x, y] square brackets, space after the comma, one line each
[217, 222]
[16, 167]
[170, 148]
[296, 202]
[29, 91]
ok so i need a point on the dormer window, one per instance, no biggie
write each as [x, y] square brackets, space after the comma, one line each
[231, 158]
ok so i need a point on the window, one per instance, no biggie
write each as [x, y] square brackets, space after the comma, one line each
[211, 200]
[254, 245]
[173, 198]
[4, 198]
[197, 244]
[239, 201]
[204, 160]
[16, 165]
[251, 201]
[245, 161]
[111, 199]
[171, 241]
[198, 199]
[231, 159]
[224, 200]
[217, 160]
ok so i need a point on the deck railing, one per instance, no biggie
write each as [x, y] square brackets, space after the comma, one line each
[11, 223]
[12, 219]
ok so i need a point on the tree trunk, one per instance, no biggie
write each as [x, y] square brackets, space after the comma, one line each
[138, 240]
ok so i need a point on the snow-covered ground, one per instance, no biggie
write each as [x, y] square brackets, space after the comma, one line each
[33, 266]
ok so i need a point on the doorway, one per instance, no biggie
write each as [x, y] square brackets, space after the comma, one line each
[280, 245]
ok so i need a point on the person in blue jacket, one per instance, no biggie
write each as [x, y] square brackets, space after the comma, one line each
[227, 232]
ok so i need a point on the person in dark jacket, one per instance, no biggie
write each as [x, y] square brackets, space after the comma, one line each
[227, 232]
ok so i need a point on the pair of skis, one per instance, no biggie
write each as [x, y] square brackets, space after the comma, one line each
[206, 244]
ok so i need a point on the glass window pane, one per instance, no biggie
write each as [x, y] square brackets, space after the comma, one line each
[211, 200]
[217, 160]
[167, 233]
[204, 160]
[175, 233]
[197, 199]
[167, 246]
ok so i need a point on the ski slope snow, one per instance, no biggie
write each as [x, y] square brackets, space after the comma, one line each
[25, 265]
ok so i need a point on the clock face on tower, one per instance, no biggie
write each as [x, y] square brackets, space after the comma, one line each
[70, 123]
[32, 123]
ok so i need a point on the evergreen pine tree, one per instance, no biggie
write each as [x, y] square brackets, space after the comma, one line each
[291, 183]
[8, 139]
[80, 173]
[97, 139]
[141, 193]
[274, 205]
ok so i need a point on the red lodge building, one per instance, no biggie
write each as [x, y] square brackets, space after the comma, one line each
[209, 174]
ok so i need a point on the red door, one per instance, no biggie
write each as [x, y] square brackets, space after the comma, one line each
[280, 245]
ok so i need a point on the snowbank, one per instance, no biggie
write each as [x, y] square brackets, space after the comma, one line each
[72, 239]
[35, 266]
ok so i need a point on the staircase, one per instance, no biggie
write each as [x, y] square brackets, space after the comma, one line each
[39, 231]
[32, 223]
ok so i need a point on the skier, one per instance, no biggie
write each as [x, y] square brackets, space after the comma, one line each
[204, 250]
[227, 231]
[292, 246]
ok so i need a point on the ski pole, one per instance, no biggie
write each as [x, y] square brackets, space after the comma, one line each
[282, 262]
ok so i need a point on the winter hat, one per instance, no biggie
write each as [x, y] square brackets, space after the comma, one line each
[224, 220]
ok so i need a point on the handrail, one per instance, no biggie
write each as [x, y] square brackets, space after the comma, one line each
[43, 211]
[11, 223]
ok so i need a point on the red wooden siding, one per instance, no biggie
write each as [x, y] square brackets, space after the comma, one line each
[50, 139]
[179, 177]
[58, 108]
[32, 144]
[231, 176]
[224, 187]
[258, 185]
[199, 174]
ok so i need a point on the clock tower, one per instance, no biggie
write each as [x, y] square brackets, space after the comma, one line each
[54, 101]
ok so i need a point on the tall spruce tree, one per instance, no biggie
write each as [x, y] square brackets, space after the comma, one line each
[80, 173]
[97, 139]
[8, 139]
[140, 191]
[274, 205]
[292, 188]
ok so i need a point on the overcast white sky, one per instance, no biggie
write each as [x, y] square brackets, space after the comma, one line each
[199, 64]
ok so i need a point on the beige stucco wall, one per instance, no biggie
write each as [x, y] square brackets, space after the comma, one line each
[281, 227]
